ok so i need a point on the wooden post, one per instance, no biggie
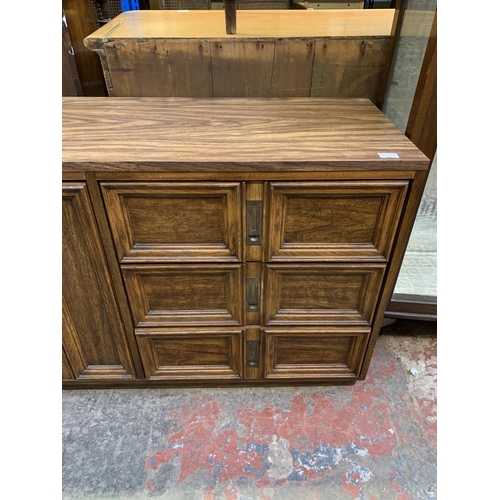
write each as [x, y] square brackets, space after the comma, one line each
[230, 7]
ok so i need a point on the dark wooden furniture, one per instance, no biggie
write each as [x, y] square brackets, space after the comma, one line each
[71, 85]
[274, 53]
[230, 241]
[80, 23]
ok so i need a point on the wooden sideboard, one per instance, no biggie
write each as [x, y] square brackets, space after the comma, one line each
[230, 241]
[274, 53]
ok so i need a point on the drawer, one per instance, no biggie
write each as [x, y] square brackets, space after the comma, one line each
[175, 221]
[343, 220]
[321, 294]
[314, 353]
[169, 295]
[191, 354]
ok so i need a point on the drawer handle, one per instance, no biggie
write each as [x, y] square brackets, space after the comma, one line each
[254, 222]
[253, 347]
[253, 294]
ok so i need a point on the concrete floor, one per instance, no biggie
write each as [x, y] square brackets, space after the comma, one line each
[375, 440]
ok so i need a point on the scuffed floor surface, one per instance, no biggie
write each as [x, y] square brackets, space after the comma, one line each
[373, 440]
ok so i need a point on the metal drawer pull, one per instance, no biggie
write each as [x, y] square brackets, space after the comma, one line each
[254, 223]
[253, 347]
[253, 294]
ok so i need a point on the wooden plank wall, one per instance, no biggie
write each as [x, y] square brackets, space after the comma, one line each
[335, 67]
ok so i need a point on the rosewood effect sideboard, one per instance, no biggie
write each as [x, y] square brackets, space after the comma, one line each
[215, 242]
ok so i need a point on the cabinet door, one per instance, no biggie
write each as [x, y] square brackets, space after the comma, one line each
[314, 353]
[335, 221]
[94, 340]
[175, 221]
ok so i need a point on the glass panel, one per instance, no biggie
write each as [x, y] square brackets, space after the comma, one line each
[418, 274]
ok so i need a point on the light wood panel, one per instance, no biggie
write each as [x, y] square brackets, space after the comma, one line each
[275, 53]
[250, 24]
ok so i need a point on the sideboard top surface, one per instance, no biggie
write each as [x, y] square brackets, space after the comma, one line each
[249, 24]
[148, 133]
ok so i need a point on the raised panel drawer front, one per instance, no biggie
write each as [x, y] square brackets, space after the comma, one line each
[181, 221]
[191, 354]
[343, 220]
[314, 353]
[169, 295]
[321, 294]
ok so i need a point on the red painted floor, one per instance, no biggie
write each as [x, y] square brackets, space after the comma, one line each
[374, 440]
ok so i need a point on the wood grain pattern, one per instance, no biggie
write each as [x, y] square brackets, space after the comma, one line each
[294, 353]
[252, 177]
[321, 294]
[170, 295]
[157, 222]
[114, 267]
[251, 24]
[171, 68]
[348, 68]
[80, 22]
[67, 372]
[217, 134]
[334, 221]
[191, 354]
[71, 85]
[93, 335]
[242, 69]
[189, 54]
[292, 68]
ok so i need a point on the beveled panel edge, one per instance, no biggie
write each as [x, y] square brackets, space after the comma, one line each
[106, 371]
[115, 193]
[393, 193]
[233, 371]
[233, 316]
[360, 334]
[372, 274]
